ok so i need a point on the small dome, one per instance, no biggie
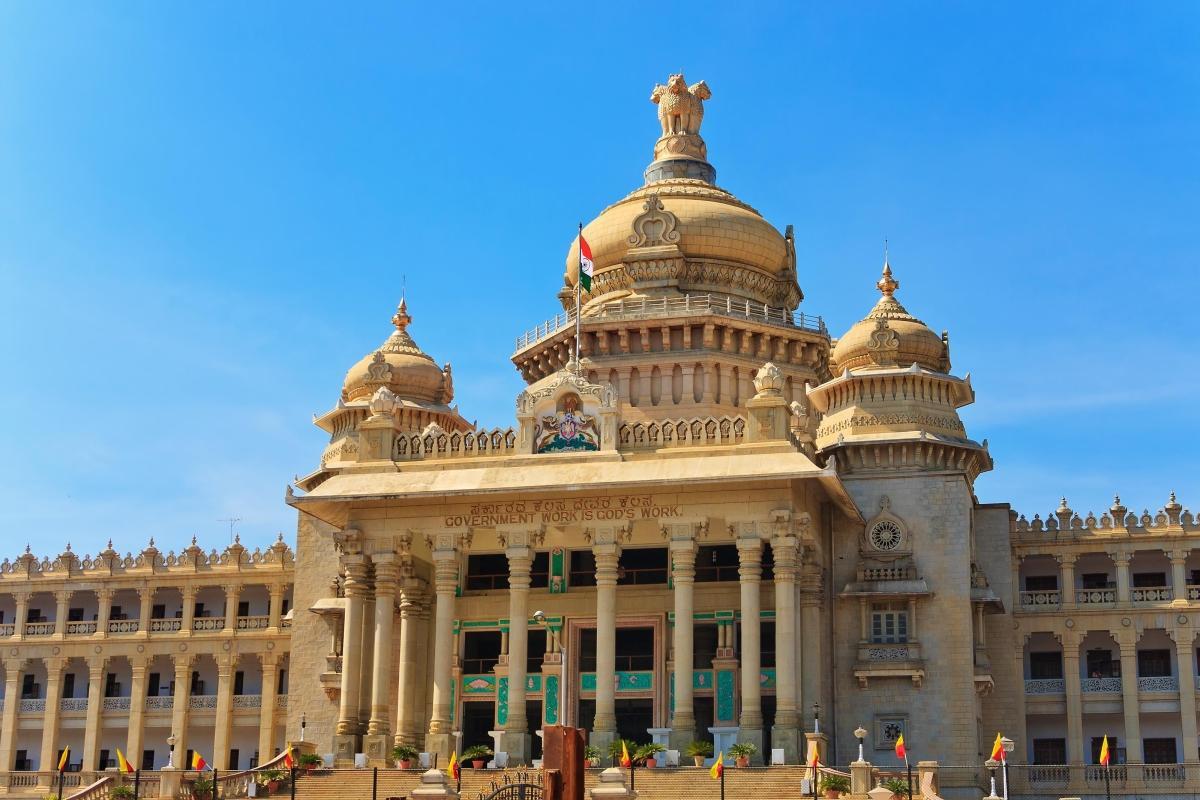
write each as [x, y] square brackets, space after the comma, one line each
[401, 366]
[889, 336]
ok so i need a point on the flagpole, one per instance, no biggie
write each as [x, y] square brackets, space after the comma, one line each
[1004, 772]
[1107, 787]
[578, 300]
[60, 783]
[908, 766]
[137, 782]
[722, 773]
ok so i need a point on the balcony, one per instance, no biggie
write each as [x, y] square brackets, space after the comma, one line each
[81, 628]
[1096, 597]
[123, 626]
[1050, 774]
[39, 628]
[257, 623]
[1151, 594]
[1165, 683]
[1031, 601]
[160, 703]
[203, 702]
[1100, 685]
[33, 706]
[116, 704]
[73, 704]
[1045, 686]
[245, 701]
[166, 625]
[7, 629]
[208, 624]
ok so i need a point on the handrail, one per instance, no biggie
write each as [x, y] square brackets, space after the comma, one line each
[98, 788]
[237, 784]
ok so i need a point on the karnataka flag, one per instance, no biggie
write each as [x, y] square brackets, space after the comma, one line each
[198, 762]
[62, 759]
[718, 767]
[1105, 755]
[454, 768]
[585, 263]
[626, 761]
[288, 761]
[900, 751]
[123, 764]
[998, 749]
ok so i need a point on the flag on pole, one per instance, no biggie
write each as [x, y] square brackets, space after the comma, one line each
[900, 751]
[718, 766]
[816, 757]
[998, 749]
[626, 761]
[288, 761]
[62, 759]
[198, 762]
[1105, 755]
[454, 768]
[123, 763]
[585, 264]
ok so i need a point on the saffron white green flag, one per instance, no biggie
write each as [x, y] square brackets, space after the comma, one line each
[585, 264]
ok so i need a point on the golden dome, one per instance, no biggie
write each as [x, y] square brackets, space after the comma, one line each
[889, 337]
[401, 366]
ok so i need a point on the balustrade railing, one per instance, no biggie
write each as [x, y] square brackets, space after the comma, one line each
[281, 701]
[160, 703]
[1151, 594]
[1193, 592]
[33, 706]
[1166, 683]
[255, 623]
[97, 790]
[1055, 773]
[39, 628]
[1045, 686]
[208, 624]
[116, 704]
[123, 626]
[1041, 599]
[1116, 774]
[1105, 685]
[1163, 773]
[243, 701]
[73, 704]
[81, 628]
[1091, 597]
[204, 702]
[166, 625]
[7, 629]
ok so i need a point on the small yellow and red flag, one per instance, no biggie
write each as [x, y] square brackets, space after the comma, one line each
[454, 767]
[900, 751]
[718, 767]
[123, 763]
[288, 761]
[198, 762]
[64, 758]
[626, 761]
[1105, 755]
[998, 749]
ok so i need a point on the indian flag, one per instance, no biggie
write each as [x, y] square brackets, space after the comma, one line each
[585, 263]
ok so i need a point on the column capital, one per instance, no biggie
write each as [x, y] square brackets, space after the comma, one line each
[12, 666]
[1064, 559]
[189, 590]
[139, 662]
[358, 575]
[269, 659]
[54, 665]
[387, 572]
[521, 536]
[1177, 556]
[785, 551]
[63, 596]
[183, 661]
[1121, 558]
[450, 540]
[104, 593]
[276, 589]
[96, 665]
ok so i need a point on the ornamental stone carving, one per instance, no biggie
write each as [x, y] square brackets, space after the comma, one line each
[769, 380]
[680, 112]
[655, 225]
[383, 401]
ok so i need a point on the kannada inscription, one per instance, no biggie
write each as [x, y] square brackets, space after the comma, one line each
[563, 512]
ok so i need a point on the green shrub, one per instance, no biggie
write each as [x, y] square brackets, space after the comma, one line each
[478, 752]
[835, 783]
[743, 750]
[699, 748]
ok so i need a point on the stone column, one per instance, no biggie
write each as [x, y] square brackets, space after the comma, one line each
[1066, 583]
[1129, 694]
[92, 730]
[378, 742]
[276, 607]
[406, 718]
[1122, 562]
[608, 556]
[22, 600]
[749, 547]
[145, 603]
[346, 739]
[61, 599]
[54, 670]
[445, 562]
[367, 661]
[1073, 691]
[515, 740]
[683, 574]
[224, 719]
[233, 591]
[137, 709]
[104, 612]
[12, 701]
[1186, 655]
[189, 611]
[687, 395]
[181, 705]
[266, 720]
[1179, 581]
[786, 731]
[811, 636]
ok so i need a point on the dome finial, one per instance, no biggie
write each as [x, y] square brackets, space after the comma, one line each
[887, 284]
[402, 318]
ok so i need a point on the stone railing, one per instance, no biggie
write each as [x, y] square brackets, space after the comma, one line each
[233, 785]
[1094, 597]
[886, 573]
[160, 703]
[1041, 599]
[1103, 685]
[24, 780]
[116, 704]
[682, 432]
[1152, 594]
[1064, 522]
[1163, 773]
[1165, 683]
[202, 702]
[39, 628]
[1054, 773]
[1193, 592]
[166, 625]
[7, 629]
[1117, 774]
[889, 652]
[73, 704]
[123, 626]
[208, 624]
[281, 701]
[97, 790]
[235, 558]
[256, 623]
[33, 706]
[1045, 686]
[81, 628]
[285, 623]
[244, 701]
[496, 442]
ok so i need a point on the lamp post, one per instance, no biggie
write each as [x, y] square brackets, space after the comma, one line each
[1007, 744]
[816, 717]
[991, 764]
[539, 617]
[303, 724]
[171, 751]
[860, 733]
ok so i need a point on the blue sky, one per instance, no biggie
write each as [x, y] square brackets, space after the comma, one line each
[207, 213]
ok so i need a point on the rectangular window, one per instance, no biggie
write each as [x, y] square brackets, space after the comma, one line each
[539, 572]
[486, 572]
[111, 687]
[1149, 580]
[1095, 580]
[1101, 664]
[1049, 751]
[481, 651]
[155, 680]
[766, 638]
[74, 615]
[235, 756]
[583, 568]
[243, 608]
[158, 611]
[104, 759]
[239, 682]
[717, 563]
[1159, 751]
[643, 565]
[22, 764]
[1154, 664]
[68, 687]
[29, 689]
[282, 686]
[889, 623]
[1046, 666]
[1041, 583]
[148, 759]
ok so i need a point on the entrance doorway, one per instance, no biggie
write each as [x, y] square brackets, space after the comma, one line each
[533, 717]
[634, 717]
[478, 718]
[705, 717]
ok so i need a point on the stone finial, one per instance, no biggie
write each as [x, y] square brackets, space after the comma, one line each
[401, 319]
[611, 786]
[769, 380]
[680, 112]
[383, 401]
[887, 284]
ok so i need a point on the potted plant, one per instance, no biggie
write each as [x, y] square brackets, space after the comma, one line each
[646, 755]
[741, 753]
[897, 786]
[122, 792]
[591, 754]
[202, 788]
[477, 755]
[614, 749]
[308, 761]
[270, 779]
[403, 755]
[834, 785]
[699, 750]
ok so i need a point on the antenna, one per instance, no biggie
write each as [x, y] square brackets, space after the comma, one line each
[885, 251]
[231, 521]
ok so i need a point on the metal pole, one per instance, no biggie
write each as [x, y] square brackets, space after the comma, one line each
[293, 789]
[216, 786]
[1004, 769]
[909, 767]
[1107, 787]
[374, 783]
[578, 295]
[722, 769]
[60, 784]
[632, 770]
[137, 779]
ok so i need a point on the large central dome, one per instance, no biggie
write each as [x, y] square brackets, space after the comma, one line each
[680, 233]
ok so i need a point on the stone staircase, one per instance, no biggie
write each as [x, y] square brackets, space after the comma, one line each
[753, 783]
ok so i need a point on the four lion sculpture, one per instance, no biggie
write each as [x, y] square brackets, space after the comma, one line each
[680, 107]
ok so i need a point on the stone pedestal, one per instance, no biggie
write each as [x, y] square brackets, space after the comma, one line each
[441, 745]
[434, 784]
[788, 738]
[302, 748]
[819, 742]
[345, 745]
[860, 779]
[601, 740]
[169, 781]
[518, 745]
[378, 747]
[612, 786]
